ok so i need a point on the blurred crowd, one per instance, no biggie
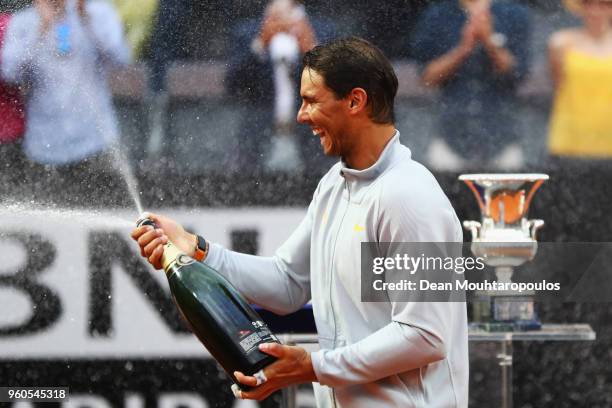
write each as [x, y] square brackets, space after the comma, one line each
[58, 57]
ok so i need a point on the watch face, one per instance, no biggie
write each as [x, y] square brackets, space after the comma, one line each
[201, 243]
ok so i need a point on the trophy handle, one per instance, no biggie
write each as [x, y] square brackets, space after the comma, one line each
[534, 226]
[474, 227]
[481, 203]
[534, 188]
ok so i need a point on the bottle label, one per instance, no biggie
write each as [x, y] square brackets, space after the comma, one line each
[251, 339]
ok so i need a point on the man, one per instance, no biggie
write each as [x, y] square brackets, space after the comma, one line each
[61, 52]
[477, 60]
[373, 354]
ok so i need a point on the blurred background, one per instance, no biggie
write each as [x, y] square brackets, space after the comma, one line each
[188, 108]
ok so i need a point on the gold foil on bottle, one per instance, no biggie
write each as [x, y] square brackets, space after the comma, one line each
[171, 253]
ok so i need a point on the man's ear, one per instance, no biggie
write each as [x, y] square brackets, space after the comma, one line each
[358, 100]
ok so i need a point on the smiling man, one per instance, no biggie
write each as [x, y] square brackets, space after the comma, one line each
[373, 354]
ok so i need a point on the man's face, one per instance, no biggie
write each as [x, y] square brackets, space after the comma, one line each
[326, 115]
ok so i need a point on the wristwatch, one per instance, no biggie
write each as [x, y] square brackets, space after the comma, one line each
[499, 40]
[201, 249]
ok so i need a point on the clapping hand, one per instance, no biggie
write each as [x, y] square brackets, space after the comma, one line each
[469, 37]
[483, 22]
[287, 17]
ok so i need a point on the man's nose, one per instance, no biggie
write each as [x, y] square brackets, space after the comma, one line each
[302, 116]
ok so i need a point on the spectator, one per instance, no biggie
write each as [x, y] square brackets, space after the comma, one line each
[12, 123]
[272, 56]
[581, 67]
[60, 50]
[476, 52]
[285, 34]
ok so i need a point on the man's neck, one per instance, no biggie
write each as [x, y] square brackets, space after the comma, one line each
[370, 141]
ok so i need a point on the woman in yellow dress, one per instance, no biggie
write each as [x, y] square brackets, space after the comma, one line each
[581, 67]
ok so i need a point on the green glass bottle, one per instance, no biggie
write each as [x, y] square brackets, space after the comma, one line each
[216, 313]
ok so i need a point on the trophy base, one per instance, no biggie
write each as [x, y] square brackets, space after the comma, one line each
[518, 326]
[505, 313]
[512, 308]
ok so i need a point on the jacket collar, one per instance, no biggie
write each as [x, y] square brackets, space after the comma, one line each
[375, 170]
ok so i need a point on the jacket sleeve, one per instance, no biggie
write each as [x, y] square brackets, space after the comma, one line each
[20, 48]
[105, 30]
[280, 283]
[393, 349]
[419, 332]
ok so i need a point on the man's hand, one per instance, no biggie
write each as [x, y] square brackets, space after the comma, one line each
[293, 366]
[271, 26]
[151, 240]
[483, 22]
[287, 17]
[502, 58]
[444, 67]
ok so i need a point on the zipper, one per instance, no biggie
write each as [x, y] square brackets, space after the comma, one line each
[331, 275]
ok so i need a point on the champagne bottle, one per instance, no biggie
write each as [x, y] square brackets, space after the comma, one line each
[216, 313]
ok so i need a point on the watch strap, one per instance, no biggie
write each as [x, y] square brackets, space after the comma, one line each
[201, 249]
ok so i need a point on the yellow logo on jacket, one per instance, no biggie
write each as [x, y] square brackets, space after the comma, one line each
[358, 228]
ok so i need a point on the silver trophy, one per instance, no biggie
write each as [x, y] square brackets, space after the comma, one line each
[505, 239]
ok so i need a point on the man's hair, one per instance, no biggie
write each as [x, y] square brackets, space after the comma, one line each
[351, 63]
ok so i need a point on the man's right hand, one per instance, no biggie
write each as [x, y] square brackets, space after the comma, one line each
[151, 240]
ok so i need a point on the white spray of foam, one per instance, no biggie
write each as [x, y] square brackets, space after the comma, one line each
[123, 167]
[90, 218]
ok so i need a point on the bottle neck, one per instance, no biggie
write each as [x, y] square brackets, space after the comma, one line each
[170, 255]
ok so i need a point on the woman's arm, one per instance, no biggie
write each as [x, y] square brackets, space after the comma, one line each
[557, 45]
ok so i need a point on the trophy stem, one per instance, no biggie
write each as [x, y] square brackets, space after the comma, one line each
[504, 274]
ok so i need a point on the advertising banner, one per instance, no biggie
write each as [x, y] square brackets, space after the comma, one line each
[80, 308]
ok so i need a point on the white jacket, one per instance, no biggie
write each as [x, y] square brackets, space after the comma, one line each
[373, 354]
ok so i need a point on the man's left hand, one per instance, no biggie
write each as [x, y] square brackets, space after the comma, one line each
[293, 366]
